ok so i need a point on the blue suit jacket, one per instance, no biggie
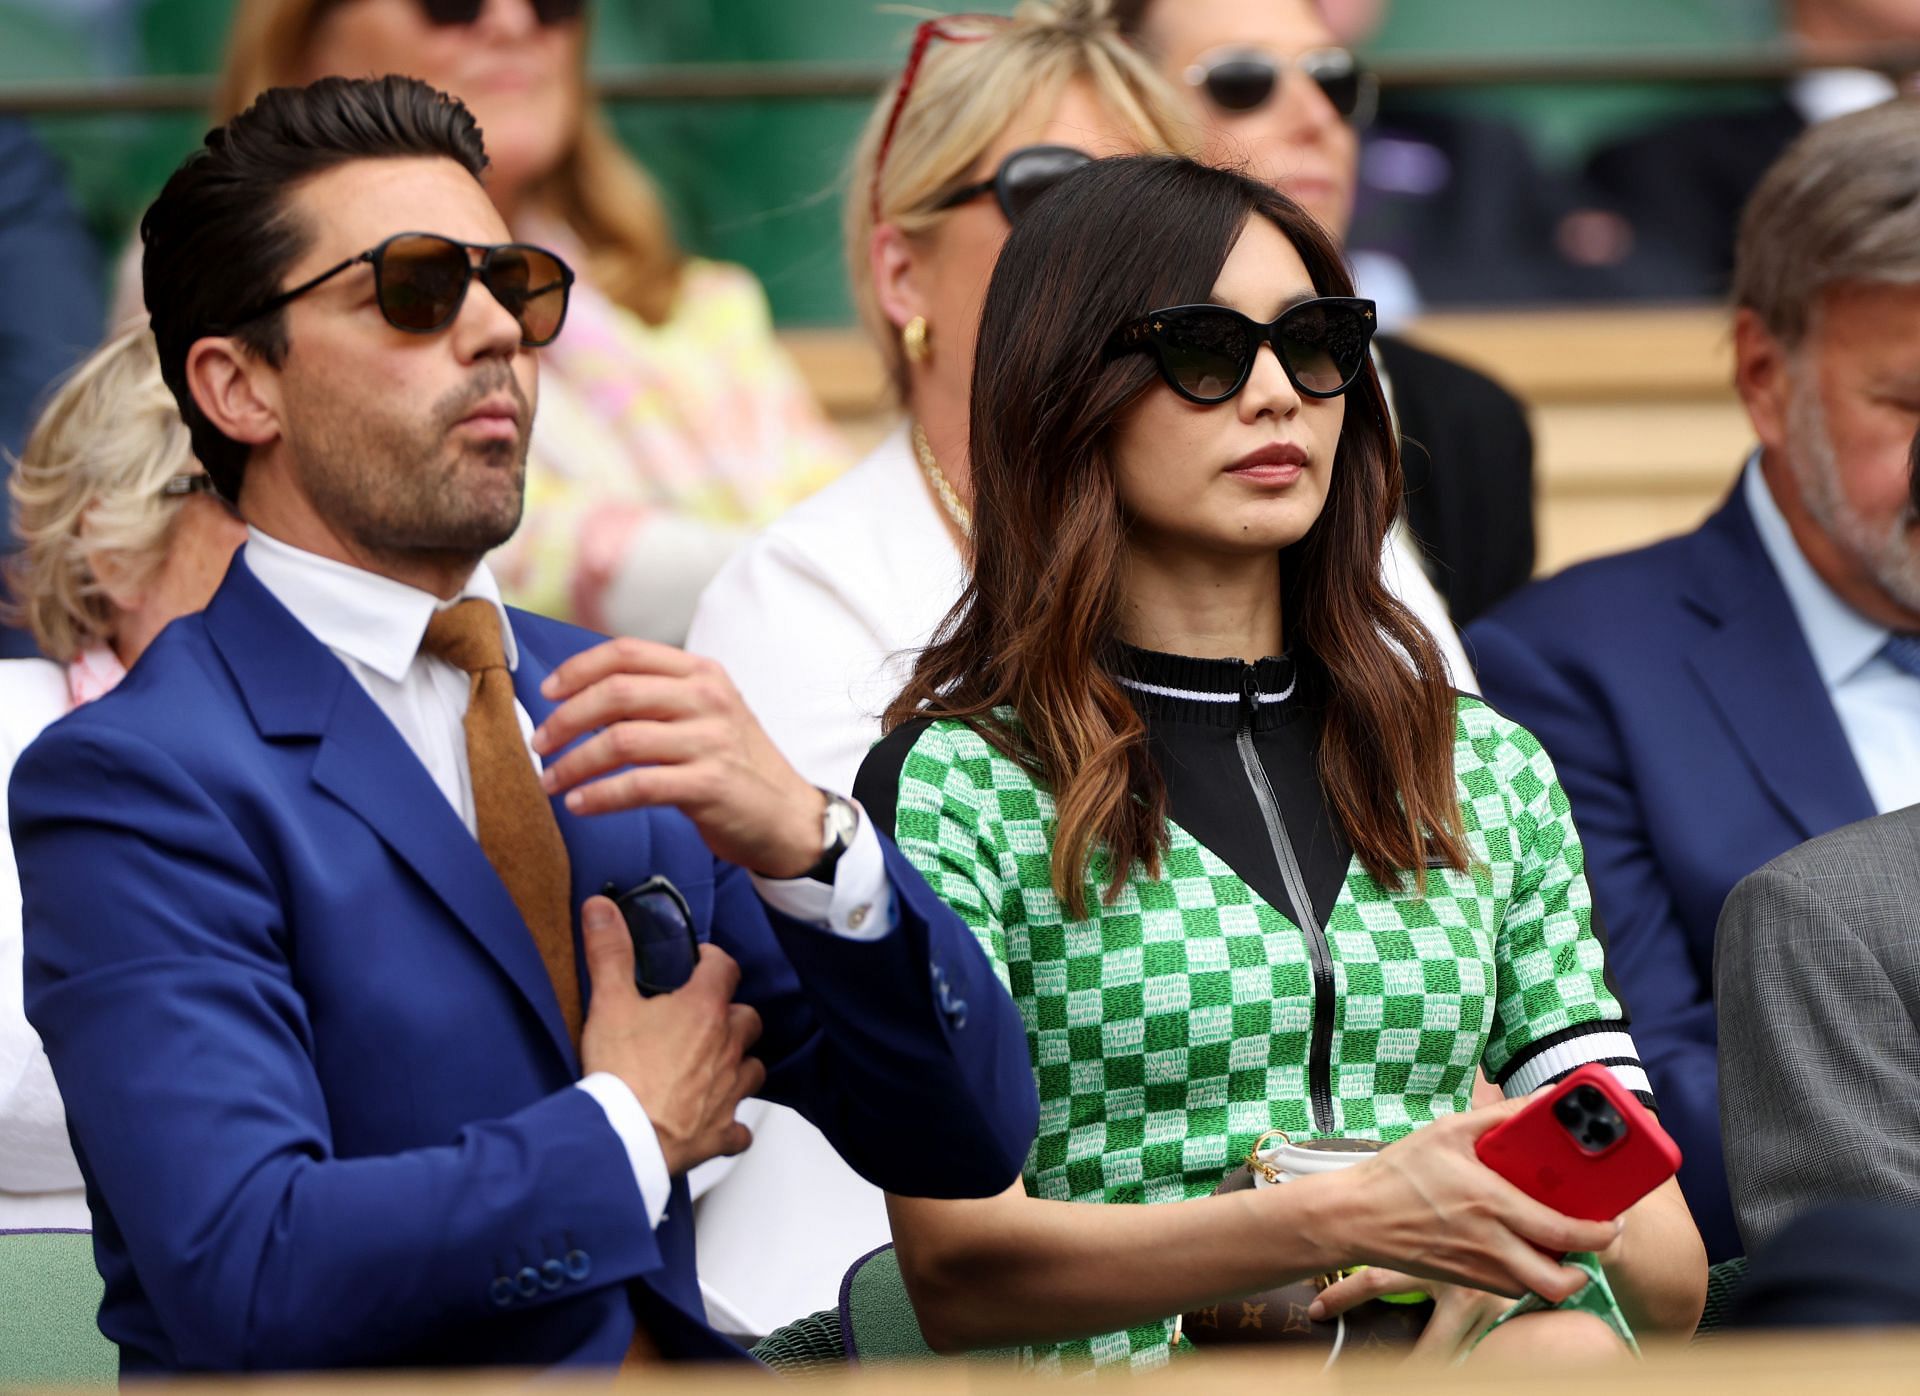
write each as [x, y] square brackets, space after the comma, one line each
[314, 1070]
[1677, 696]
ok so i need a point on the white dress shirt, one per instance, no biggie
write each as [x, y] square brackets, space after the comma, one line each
[1877, 702]
[374, 626]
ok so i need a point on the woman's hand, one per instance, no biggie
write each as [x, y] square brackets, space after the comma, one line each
[1426, 1205]
[1461, 1316]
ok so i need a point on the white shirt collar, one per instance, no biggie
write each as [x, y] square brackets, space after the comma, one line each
[1842, 640]
[371, 619]
[1822, 94]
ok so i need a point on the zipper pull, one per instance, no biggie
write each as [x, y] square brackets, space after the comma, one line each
[1249, 692]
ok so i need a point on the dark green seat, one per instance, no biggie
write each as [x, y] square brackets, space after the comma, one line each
[1723, 1282]
[49, 1308]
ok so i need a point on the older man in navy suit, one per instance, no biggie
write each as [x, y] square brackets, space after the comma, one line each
[360, 1069]
[1716, 699]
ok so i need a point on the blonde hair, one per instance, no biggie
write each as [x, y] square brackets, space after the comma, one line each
[1841, 205]
[598, 190]
[962, 98]
[88, 487]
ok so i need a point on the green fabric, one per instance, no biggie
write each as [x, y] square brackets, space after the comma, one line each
[1595, 1297]
[813, 1341]
[1170, 1027]
[884, 1326]
[1723, 1283]
[49, 1303]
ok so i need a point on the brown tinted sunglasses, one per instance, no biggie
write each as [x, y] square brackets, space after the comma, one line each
[420, 281]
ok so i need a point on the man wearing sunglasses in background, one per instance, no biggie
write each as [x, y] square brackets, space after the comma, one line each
[350, 1084]
[1282, 99]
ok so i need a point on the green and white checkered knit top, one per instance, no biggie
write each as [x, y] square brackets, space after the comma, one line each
[1184, 1018]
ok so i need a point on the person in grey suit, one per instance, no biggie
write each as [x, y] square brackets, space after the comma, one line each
[1817, 973]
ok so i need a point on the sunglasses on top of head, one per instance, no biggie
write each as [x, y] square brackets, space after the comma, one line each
[450, 12]
[1206, 352]
[420, 281]
[1022, 177]
[1237, 80]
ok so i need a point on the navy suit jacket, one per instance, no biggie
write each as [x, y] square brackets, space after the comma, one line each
[314, 1070]
[50, 284]
[1676, 695]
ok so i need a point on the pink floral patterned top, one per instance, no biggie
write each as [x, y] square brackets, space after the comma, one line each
[657, 449]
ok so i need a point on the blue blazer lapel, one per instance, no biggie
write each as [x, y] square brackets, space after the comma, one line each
[599, 847]
[296, 689]
[1760, 675]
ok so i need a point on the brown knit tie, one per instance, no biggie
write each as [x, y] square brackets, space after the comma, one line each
[515, 823]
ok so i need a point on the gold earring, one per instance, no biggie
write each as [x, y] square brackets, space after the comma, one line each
[913, 339]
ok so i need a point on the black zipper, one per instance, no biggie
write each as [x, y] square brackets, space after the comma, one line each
[1320, 1048]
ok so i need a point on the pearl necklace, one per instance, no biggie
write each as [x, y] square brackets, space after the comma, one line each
[942, 487]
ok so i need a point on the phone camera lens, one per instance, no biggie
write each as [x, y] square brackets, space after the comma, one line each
[1567, 1110]
[1598, 1135]
[1590, 1100]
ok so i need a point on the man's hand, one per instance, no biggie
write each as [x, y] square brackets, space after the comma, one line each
[683, 1054]
[674, 731]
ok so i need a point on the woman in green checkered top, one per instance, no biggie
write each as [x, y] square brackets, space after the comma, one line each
[1234, 892]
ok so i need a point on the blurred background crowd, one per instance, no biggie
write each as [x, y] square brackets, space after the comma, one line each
[1542, 198]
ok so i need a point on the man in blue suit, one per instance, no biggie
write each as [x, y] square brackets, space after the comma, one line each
[1716, 699]
[350, 1082]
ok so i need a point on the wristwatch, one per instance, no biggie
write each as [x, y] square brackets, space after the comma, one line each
[837, 827]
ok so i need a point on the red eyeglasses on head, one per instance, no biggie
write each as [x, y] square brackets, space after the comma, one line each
[955, 29]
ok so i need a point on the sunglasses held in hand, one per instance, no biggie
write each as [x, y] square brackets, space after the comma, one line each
[1239, 80]
[1206, 352]
[666, 947]
[420, 281]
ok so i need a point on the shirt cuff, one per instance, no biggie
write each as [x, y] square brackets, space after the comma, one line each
[859, 903]
[630, 1122]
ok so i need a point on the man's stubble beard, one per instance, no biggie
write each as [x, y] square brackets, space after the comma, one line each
[1883, 550]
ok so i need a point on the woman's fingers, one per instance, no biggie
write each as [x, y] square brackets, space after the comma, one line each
[1357, 1288]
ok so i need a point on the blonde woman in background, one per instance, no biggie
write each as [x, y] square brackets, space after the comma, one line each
[671, 423]
[819, 619]
[118, 536]
[987, 114]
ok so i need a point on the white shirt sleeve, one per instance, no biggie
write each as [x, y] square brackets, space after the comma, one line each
[630, 1122]
[859, 903]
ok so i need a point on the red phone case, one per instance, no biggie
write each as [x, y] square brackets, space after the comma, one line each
[1535, 1153]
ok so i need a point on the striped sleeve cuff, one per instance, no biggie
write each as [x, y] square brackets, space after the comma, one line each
[1546, 1061]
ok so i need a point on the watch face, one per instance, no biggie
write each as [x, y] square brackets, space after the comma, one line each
[843, 821]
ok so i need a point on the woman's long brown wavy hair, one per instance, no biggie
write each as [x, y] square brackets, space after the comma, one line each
[1038, 626]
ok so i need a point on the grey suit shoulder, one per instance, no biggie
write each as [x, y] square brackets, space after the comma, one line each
[1817, 975]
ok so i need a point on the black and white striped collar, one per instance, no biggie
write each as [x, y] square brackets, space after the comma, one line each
[1213, 692]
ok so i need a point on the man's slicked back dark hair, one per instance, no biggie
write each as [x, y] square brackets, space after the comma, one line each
[220, 238]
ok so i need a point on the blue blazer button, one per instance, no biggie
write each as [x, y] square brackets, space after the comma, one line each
[552, 1274]
[501, 1291]
[579, 1265]
[527, 1282]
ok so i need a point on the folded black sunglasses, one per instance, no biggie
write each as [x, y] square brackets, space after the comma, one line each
[1022, 177]
[1206, 352]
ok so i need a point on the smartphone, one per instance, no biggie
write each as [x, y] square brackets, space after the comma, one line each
[1585, 1147]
